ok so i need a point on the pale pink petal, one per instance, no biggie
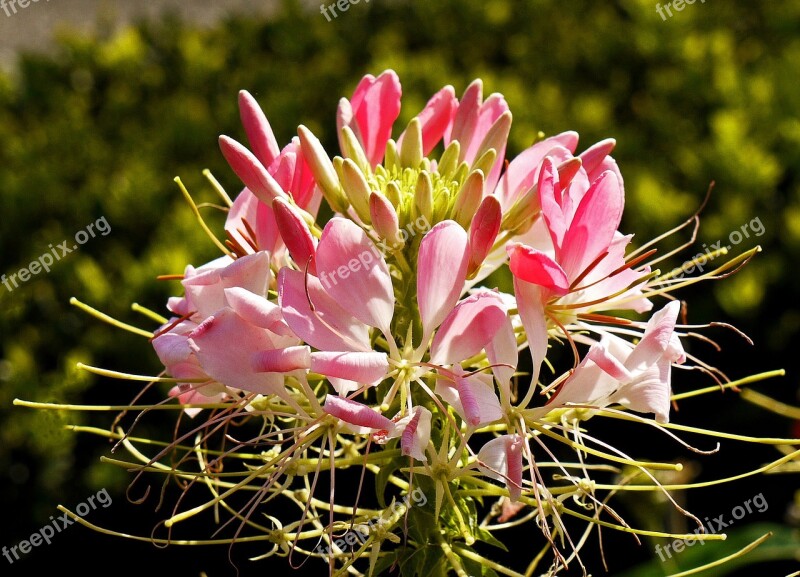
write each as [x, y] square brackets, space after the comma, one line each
[466, 116]
[256, 126]
[172, 348]
[224, 345]
[469, 327]
[657, 338]
[503, 354]
[533, 266]
[530, 302]
[362, 418]
[593, 157]
[649, 392]
[436, 118]
[328, 327]
[362, 367]
[444, 248]
[344, 386]
[282, 360]
[257, 310]
[353, 272]
[376, 105]
[554, 203]
[205, 291]
[196, 394]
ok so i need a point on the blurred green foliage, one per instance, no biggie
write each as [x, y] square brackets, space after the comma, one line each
[101, 127]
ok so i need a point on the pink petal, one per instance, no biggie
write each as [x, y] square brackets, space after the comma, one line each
[353, 272]
[533, 266]
[593, 227]
[261, 221]
[522, 172]
[296, 235]
[205, 291]
[362, 367]
[363, 418]
[469, 327]
[513, 446]
[376, 105]
[282, 360]
[256, 126]
[172, 348]
[444, 248]
[555, 204]
[224, 345]
[593, 156]
[329, 327]
[436, 118]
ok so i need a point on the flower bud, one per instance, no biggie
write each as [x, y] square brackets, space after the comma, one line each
[469, 198]
[296, 235]
[356, 189]
[423, 195]
[482, 233]
[411, 148]
[384, 220]
[322, 169]
[250, 171]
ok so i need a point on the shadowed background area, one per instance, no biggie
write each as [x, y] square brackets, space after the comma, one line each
[97, 122]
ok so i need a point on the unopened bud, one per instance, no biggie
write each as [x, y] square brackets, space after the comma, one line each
[483, 232]
[384, 220]
[322, 169]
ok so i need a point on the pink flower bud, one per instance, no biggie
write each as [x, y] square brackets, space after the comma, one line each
[483, 232]
[296, 235]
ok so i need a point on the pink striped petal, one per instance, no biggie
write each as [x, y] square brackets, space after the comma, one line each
[415, 430]
[362, 418]
[362, 367]
[256, 126]
[353, 272]
[473, 398]
[533, 266]
[470, 326]
[501, 459]
[282, 360]
[328, 327]
[444, 248]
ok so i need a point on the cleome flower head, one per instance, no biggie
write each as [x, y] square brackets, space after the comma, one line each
[373, 342]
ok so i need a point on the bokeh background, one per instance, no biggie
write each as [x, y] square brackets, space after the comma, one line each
[97, 119]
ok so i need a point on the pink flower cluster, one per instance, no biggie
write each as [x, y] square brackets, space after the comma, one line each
[411, 339]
